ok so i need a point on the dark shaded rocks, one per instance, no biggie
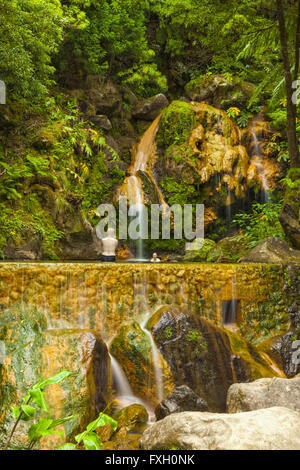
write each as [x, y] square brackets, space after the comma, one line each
[200, 355]
[274, 428]
[101, 121]
[31, 353]
[181, 399]
[273, 250]
[149, 109]
[104, 96]
[264, 393]
[28, 251]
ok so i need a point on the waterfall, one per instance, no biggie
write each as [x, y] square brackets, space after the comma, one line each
[142, 156]
[258, 161]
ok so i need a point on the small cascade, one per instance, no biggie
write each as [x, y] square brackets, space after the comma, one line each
[132, 189]
[258, 161]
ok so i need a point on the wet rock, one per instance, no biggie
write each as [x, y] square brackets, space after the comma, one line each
[264, 393]
[285, 351]
[200, 354]
[133, 350]
[181, 399]
[273, 250]
[274, 428]
[30, 353]
[150, 108]
[101, 121]
[105, 432]
[132, 417]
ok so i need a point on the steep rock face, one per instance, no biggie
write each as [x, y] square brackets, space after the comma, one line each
[264, 393]
[150, 108]
[206, 358]
[273, 250]
[30, 352]
[270, 429]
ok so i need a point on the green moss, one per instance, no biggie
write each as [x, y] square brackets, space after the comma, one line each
[177, 122]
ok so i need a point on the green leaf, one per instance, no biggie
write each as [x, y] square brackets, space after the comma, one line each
[92, 442]
[56, 379]
[16, 411]
[102, 420]
[37, 397]
[36, 431]
[58, 422]
[67, 446]
[28, 412]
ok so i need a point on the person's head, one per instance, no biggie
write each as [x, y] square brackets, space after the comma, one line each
[154, 255]
[111, 233]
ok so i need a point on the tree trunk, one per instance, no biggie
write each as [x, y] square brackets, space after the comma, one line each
[291, 107]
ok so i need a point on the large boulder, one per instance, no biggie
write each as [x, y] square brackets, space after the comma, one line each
[206, 358]
[273, 250]
[133, 349]
[150, 108]
[269, 429]
[181, 399]
[104, 96]
[30, 352]
[132, 417]
[264, 393]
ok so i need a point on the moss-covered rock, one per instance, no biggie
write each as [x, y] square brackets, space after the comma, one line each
[230, 249]
[133, 350]
[31, 353]
[177, 122]
[132, 417]
[199, 250]
[290, 214]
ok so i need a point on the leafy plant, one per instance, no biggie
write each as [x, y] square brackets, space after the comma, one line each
[27, 412]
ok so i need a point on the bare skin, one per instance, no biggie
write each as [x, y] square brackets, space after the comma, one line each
[109, 244]
[155, 258]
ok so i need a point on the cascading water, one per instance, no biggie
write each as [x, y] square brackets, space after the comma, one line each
[132, 188]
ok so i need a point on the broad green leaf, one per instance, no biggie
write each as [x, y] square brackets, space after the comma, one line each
[56, 379]
[28, 412]
[102, 420]
[58, 422]
[37, 397]
[92, 442]
[16, 411]
[67, 446]
[36, 431]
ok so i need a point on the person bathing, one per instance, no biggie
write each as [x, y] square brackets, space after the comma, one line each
[155, 258]
[109, 247]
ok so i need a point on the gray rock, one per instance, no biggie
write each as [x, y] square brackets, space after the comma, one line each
[270, 429]
[283, 350]
[150, 108]
[102, 121]
[181, 399]
[264, 393]
[273, 250]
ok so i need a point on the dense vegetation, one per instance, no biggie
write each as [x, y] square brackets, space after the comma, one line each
[56, 163]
